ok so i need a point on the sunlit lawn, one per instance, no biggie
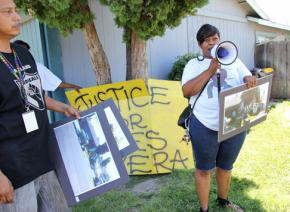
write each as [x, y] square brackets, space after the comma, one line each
[261, 177]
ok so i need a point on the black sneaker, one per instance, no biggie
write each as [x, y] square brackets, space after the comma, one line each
[200, 210]
[226, 203]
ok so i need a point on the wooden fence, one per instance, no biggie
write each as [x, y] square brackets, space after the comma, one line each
[276, 55]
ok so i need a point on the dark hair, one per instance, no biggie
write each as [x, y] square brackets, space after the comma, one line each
[22, 43]
[206, 31]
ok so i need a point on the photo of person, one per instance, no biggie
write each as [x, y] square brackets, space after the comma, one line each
[244, 107]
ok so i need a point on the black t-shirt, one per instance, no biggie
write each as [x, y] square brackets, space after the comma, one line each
[23, 156]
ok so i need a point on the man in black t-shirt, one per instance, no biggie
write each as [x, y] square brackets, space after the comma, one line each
[27, 182]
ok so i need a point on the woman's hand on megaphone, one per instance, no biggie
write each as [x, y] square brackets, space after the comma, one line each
[250, 81]
[214, 65]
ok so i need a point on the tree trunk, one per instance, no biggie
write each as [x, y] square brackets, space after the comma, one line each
[128, 59]
[138, 58]
[98, 57]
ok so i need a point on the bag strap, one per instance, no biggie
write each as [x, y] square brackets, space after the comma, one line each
[199, 95]
[191, 111]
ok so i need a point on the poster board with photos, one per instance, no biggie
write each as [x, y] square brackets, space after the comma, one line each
[86, 156]
[242, 108]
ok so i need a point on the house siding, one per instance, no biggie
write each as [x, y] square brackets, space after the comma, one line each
[227, 15]
[30, 33]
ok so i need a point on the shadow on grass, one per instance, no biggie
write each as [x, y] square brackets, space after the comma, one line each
[177, 193]
[238, 194]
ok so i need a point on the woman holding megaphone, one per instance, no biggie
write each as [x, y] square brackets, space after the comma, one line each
[202, 79]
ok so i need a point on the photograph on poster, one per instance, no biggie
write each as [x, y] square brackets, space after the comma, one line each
[118, 134]
[242, 108]
[126, 143]
[86, 156]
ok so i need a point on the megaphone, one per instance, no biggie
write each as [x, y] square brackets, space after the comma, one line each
[226, 52]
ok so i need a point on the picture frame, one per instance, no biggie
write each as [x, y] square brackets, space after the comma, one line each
[242, 108]
[86, 156]
[125, 141]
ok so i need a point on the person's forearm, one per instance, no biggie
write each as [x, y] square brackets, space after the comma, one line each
[54, 105]
[68, 85]
[194, 86]
[60, 107]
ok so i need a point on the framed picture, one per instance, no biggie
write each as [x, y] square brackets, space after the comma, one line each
[86, 156]
[242, 108]
[125, 141]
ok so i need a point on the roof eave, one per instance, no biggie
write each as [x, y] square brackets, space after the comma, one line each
[257, 9]
[268, 23]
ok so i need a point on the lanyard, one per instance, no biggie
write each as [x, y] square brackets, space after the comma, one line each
[17, 74]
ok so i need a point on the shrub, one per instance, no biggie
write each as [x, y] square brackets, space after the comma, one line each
[178, 66]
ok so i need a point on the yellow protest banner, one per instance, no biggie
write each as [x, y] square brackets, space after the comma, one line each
[127, 90]
[167, 102]
[151, 118]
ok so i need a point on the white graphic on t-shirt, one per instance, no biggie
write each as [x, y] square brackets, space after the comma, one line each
[213, 83]
[33, 90]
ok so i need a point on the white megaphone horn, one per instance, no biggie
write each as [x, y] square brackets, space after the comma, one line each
[226, 52]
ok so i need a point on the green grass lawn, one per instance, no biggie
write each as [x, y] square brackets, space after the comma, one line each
[260, 182]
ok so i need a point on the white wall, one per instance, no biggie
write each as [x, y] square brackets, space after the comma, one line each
[227, 15]
[30, 33]
[163, 51]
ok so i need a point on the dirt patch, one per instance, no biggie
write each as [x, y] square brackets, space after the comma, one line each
[148, 186]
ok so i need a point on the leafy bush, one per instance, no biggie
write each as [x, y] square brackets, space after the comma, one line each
[178, 66]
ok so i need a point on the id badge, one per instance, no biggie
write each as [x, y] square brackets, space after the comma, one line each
[30, 121]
